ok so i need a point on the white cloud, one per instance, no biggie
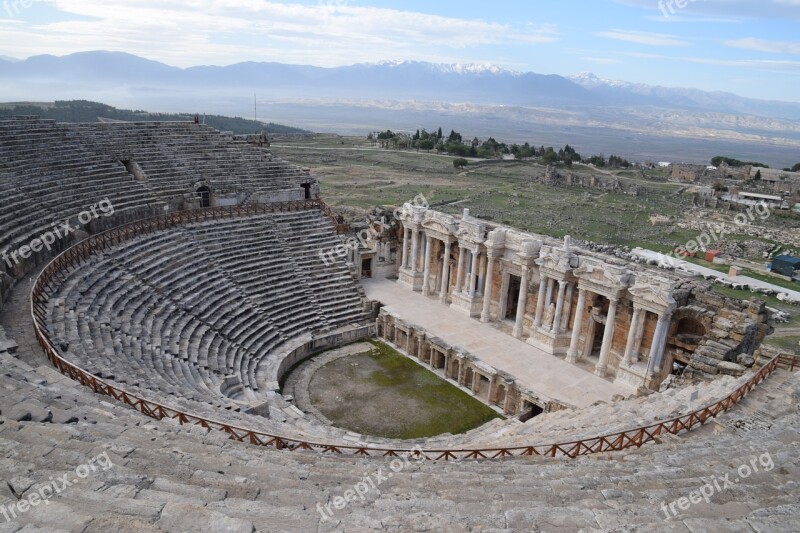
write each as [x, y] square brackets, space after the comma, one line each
[771, 47]
[649, 39]
[728, 9]
[188, 32]
[602, 60]
[786, 66]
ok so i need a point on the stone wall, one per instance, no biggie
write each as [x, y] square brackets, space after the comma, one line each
[702, 174]
[560, 178]
[659, 299]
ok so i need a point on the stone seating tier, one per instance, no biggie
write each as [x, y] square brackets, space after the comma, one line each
[53, 171]
[173, 311]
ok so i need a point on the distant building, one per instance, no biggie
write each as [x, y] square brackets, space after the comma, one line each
[708, 174]
[752, 198]
[787, 265]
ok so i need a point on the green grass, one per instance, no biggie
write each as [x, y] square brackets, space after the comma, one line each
[790, 344]
[454, 410]
[702, 262]
[384, 393]
[740, 294]
[502, 192]
[779, 281]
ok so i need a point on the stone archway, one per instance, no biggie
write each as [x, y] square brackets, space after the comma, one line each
[205, 196]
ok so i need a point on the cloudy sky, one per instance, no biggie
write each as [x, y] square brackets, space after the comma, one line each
[750, 47]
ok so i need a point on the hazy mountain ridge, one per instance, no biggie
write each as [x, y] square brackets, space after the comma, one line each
[481, 99]
[479, 83]
[683, 97]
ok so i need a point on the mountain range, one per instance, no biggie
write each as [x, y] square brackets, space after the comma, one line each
[390, 80]
[384, 95]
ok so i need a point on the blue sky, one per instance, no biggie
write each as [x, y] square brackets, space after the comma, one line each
[749, 47]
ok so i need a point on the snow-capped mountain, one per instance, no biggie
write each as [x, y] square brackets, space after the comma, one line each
[445, 68]
[616, 92]
[97, 74]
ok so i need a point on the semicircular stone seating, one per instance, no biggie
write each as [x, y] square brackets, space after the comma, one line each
[199, 316]
[205, 313]
[50, 172]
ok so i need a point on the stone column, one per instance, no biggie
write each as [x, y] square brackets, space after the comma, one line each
[577, 326]
[567, 306]
[487, 291]
[426, 278]
[630, 346]
[445, 273]
[473, 276]
[468, 266]
[608, 336]
[590, 334]
[414, 250]
[548, 299]
[460, 275]
[406, 237]
[636, 355]
[562, 291]
[482, 266]
[657, 346]
[523, 301]
[503, 303]
[540, 301]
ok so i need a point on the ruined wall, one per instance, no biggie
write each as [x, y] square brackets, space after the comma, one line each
[556, 178]
[734, 328]
[702, 174]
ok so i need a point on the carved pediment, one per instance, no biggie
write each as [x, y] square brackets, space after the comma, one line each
[599, 274]
[654, 290]
[436, 226]
[556, 262]
[496, 239]
[471, 231]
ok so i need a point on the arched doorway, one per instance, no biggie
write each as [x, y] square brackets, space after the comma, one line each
[205, 196]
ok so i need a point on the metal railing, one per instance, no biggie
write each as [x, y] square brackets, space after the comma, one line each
[53, 274]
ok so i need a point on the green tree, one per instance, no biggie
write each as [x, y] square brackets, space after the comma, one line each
[460, 162]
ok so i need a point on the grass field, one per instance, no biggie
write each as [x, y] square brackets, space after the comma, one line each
[385, 394]
[794, 312]
[790, 344]
[357, 175]
[352, 172]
